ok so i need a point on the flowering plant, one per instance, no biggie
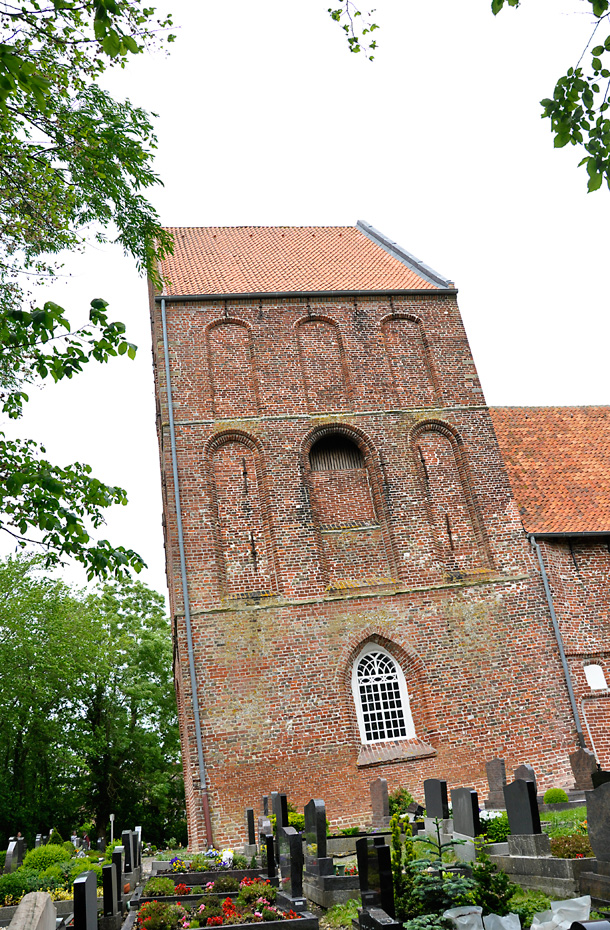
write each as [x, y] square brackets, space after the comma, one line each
[177, 864]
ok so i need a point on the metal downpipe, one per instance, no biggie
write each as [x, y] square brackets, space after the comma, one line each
[558, 637]
[185, 594]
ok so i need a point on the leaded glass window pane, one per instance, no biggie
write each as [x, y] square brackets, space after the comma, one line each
[380, 698]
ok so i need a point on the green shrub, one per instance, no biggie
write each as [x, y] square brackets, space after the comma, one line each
[225, 884]
[497, 829]
[201, 863]
[56, 876]
[341, 915]
[349, 831]
[44, 856]
[2, 858]
[555, 796]
[159, 915]
[240, 862]
[248, 894]
[296, 820]
[527, 902]
[493, 890]
[15, 884]
[159, 886]
[213, 908]
[399, 801]
[78, 866]
[55, 838]
[429, 922]
[571, 847]
[69, 848]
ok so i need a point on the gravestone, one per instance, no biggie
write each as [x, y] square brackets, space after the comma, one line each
[265, 805]
[38, 840]
[85, 901]
[127, 839]
[375, 875]
[496, 779]
[380, 804]
[522, 807]
[291, 868]
[583, 764]
[279, 807]
[316, 859]
[101, 844]
[526, 773]
[415, 810]
[117, 861]
[268, 845]
[138, 845]
[250, 826]
[598, 821]
[435, 794]
[264, 827]
[10, 860]
[111, 918]
[600, 778]
[22, 848]
[465, 803]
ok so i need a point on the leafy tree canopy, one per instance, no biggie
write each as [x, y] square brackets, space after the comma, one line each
[89, 724]
[74, 163]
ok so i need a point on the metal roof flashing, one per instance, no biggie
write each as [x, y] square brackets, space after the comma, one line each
[397, 251]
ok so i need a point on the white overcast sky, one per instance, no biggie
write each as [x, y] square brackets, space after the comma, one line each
[265, 118]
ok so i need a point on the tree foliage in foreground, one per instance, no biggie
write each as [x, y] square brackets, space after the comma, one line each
[89, 724]
[579, 106]
[74, 164]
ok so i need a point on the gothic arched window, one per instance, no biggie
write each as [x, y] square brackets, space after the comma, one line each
[381, 697]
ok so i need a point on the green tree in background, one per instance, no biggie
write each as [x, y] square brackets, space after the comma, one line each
[74, 163]
[89, 723]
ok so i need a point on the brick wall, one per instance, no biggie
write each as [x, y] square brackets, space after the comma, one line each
[292, 571]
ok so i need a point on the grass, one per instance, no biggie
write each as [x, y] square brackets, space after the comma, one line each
[564, 823]
[341, 915]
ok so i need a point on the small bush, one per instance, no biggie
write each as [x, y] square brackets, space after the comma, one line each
[554, 796]
[210, 908]
[159, 915]
[78, 866]
[399, 801]
[56, 838]
[571, 847]
[225, 883]
[44, 856]
[248, 894]
[68, 848]
[526, 903]
[497, 829]
[296, 820]
[158, 886]
[349, 831]
[429, 922]
[14, 885]
[240, 862]
[56, 876]
[2, 858]
[493, 890]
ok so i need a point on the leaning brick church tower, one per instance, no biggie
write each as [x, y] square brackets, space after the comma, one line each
[351, 587]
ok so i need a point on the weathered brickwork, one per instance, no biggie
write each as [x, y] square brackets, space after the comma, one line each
[418, 547]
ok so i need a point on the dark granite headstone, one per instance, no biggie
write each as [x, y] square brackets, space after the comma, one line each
[38, 840]
[291, 862]
[10, 860]
[435, 793]
[268, 844]
[109, 887]
[138, 844]
[85, 901]
[250, 826]
[375, 874]
[127, 840]
[415, 809]
[266, 805]
[380, 804]
[118, 861]
[522, 808]
[598, 821]
[279, 807]
[22, 848]
[315, 829]
[526, 773]
[496, 779]
[465, 803]
[600, 778]
[583, 765]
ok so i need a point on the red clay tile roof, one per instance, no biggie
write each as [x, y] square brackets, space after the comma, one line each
[263, 259]
[558, 462]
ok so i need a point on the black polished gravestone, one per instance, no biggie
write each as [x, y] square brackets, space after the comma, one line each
[10, 860]
[375, 874]
[250, 826]
[465, 803]
[127, 839]
[316, 860]
[598, 821]
[38, 840]
[525, 772]
[522, 808]
[435, 794]
[117, 861]
[267, 843]
[22, 848]
[265, 805]
[111, 919]
[600, 778]
[85, 901]
[291, 869]
[279, 807]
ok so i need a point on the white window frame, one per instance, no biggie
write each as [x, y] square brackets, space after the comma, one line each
[403, 692]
